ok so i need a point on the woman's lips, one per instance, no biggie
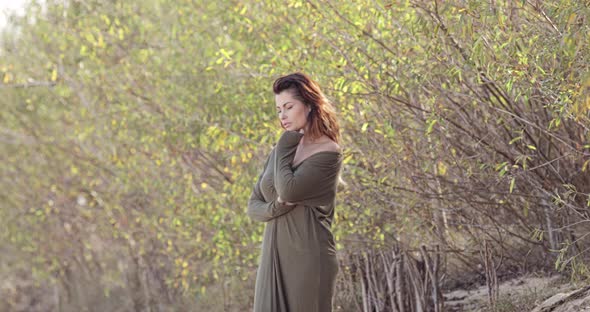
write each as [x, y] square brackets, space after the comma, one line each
[286, 124]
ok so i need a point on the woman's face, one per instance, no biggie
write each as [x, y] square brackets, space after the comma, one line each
[291, 111]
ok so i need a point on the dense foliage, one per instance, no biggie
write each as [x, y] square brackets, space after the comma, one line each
[132, 133]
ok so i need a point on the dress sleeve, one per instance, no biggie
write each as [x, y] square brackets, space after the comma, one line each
[315, 180]
[259, 209]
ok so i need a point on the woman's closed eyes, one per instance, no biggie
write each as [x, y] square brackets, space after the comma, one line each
[287, 108]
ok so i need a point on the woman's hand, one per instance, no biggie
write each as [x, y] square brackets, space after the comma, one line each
[283, 202]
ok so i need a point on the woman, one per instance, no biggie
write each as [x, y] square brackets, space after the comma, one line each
[295, 196]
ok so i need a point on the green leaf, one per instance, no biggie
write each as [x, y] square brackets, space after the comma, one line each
[431, 126]
[514, 140]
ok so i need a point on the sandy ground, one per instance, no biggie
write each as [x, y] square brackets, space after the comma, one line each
[476, 299]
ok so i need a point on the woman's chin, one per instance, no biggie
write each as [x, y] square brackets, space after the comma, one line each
[291, 128]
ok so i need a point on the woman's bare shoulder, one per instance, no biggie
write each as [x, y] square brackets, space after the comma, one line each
[330, 146]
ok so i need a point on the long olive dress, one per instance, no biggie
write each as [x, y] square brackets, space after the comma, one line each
[298, 265]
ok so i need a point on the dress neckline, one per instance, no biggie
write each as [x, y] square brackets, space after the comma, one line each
[308, 157]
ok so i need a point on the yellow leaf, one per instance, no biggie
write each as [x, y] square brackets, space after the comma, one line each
[347, 159]
[364, 127]
[571, 19]
[442, 168]
[100, 41]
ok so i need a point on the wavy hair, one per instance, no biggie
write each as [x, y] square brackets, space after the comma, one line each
[322, 116]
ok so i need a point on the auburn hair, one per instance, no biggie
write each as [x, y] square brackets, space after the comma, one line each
[322, 116]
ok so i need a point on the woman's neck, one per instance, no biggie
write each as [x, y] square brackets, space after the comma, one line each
[309, 141]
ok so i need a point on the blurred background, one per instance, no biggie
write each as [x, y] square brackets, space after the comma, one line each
[132, 133]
